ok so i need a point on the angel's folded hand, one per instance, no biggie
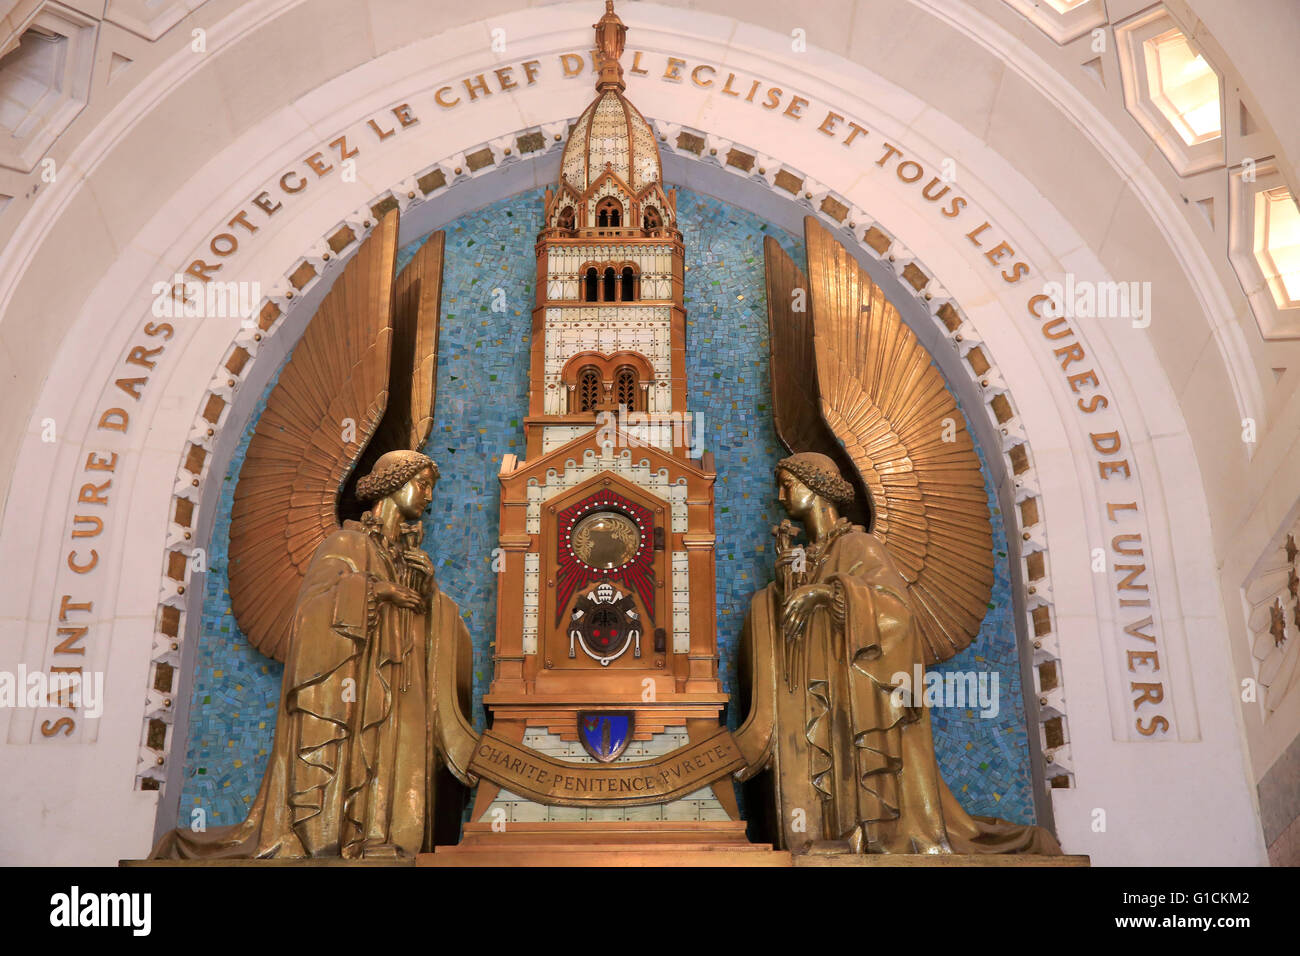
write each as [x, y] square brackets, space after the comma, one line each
[418, 559]
[398, 595]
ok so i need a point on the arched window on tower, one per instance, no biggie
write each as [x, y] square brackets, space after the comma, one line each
[625, 388]
[590, 285]
[651, 219]
[588, 389]
[610, 286]
[609, 212]
[566, 218]
[628, 290]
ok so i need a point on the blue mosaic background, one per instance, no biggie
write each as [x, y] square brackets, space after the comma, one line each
[482, 396]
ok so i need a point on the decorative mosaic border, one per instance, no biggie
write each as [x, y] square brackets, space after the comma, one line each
[851, 222]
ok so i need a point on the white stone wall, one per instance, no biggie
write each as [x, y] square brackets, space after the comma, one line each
[681, 603]
[555, 436]
[658, 436]
[564, 268]
[532, 599]
[646, 329]
[624, 462]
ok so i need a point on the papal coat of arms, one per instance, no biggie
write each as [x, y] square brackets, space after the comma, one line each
[604, 624]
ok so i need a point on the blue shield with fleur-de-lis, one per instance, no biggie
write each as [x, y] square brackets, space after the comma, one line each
[605, 734]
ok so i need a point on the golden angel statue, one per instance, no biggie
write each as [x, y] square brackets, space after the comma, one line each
[327, 575]
[850, 746]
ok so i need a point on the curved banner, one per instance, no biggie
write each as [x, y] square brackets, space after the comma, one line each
[543, 779]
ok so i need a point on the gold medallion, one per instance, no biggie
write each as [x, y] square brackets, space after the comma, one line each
[606, 540]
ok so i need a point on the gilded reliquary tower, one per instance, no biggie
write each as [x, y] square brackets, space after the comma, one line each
[607, 600]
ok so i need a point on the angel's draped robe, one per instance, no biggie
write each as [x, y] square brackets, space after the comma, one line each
[352, 769]
[854, 756]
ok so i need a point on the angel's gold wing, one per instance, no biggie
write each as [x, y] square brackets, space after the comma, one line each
[796, 407]
[326, 411]
[415, 349]
[851, 369]
[417, 298]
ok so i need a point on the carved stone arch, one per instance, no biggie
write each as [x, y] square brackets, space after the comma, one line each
[944, 313]
[1012, 450]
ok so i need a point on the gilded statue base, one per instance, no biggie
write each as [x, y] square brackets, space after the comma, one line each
[631, 853]
[237, 861]
[676, 844]
[617, 855]
[937, 859]
[607, 843]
